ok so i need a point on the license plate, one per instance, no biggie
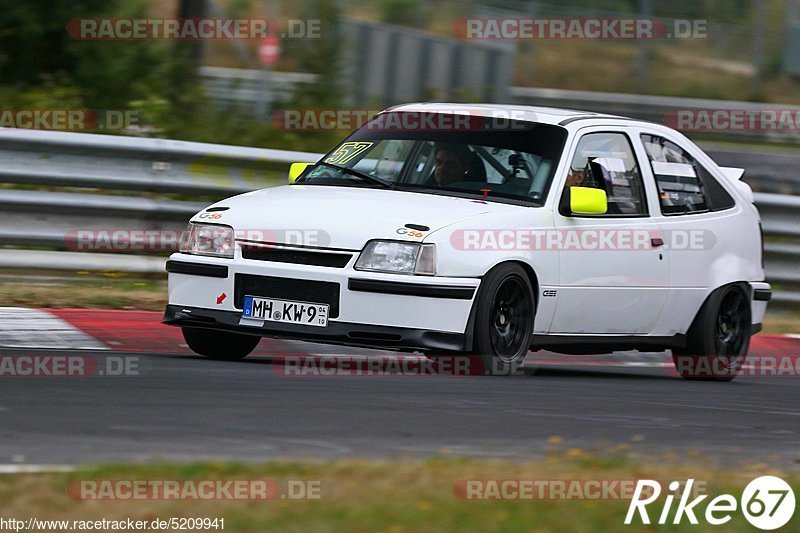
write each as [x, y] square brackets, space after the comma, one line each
[285, 311]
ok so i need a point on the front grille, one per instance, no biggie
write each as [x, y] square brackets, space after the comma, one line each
[298, 290]
[298, 257]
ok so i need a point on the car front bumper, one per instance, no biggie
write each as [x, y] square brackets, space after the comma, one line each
[383, 337]
[367, 308]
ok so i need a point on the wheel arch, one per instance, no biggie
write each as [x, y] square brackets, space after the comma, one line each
[745, 285]
[532, 277]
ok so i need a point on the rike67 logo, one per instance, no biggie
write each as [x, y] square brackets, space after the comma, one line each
[767, 502]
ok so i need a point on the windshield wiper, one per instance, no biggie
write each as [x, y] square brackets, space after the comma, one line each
[386, 184]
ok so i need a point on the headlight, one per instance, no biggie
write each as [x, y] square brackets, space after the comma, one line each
[398, 257]
[208, 239]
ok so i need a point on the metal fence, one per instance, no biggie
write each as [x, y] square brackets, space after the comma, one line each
[244, 88]
[392, 64]
[97, 182]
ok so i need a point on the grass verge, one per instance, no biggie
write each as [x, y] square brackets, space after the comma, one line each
[104, 291]
[396, 496]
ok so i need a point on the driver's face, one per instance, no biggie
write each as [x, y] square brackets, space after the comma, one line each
[448, 168]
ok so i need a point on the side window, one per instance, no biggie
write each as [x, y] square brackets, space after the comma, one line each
[684, 185]
[606, 161]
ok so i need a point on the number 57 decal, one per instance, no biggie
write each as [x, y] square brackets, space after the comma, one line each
[347, 151]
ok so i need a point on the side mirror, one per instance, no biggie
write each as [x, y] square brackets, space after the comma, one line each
[587, 201]
[296, 169]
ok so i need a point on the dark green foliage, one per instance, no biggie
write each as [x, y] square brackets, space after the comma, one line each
[35, 48]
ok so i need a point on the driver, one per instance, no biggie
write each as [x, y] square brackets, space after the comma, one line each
[451, 163]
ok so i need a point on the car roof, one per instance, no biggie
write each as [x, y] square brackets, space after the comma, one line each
[545, 115]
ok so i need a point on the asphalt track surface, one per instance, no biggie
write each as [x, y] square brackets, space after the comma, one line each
[185, 408]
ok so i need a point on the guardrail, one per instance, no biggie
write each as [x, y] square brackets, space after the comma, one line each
[58, 159]
[96, 174]
[113, 182]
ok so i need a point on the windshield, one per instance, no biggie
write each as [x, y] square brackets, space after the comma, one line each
[512, 163]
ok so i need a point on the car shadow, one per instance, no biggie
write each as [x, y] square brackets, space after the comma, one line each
[606, 373]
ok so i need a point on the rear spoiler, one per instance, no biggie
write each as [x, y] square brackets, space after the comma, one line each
[735, 176]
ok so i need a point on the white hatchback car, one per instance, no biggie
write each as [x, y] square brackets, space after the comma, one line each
[488, 230]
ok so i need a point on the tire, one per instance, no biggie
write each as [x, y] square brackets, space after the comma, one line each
[220, 345]
[719, 338]
[504, 319]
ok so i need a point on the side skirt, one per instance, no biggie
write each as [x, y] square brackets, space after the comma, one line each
[597, 344]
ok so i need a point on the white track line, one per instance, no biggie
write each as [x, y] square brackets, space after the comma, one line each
[34, 469]
[36, 328]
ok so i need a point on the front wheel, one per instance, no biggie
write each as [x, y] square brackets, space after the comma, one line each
[504, 319]
[220, 345]
[719, 337]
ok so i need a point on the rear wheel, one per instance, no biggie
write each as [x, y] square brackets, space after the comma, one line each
[719, 337]
[504, 319]
[221, 345]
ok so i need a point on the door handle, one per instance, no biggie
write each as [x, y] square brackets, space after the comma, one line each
[657, 242]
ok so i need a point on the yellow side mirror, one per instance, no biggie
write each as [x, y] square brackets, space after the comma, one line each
[295, 170]
[587, 201]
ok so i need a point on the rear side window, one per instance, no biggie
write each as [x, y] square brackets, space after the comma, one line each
[684, 185]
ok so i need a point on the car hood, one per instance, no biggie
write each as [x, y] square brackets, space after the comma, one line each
[341, 217]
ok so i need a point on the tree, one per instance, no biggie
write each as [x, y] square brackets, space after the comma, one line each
[36, 49]
[188, 54]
